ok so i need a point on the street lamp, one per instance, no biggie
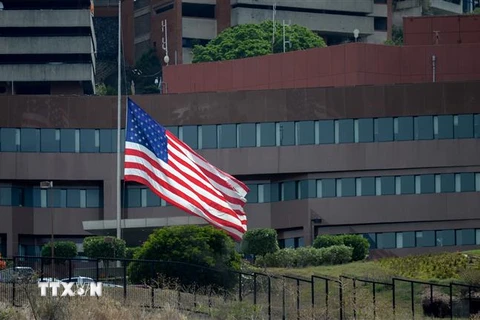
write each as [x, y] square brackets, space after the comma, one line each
[49, 185]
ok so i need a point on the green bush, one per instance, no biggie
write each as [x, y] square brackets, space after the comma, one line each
[104, 247]
[130, 252]
[327, 240]
[308, 256]
[61, 249]
[359, 244]
[186, 253]
[259, 242]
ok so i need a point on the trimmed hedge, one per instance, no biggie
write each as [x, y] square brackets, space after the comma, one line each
[359, 244]
[306, 256]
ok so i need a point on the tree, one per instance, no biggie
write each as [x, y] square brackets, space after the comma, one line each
[104, 247]
[250, 40]
[397, 37]
[61, 249]
[147, 68]
[259, 242]
[187, 253]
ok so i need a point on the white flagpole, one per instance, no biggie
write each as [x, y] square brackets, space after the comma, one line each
[119, 115]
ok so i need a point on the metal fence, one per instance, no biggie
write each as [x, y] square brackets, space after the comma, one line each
[199, 289]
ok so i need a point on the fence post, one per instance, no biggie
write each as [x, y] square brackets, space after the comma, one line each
[69, 269]
[326, 296]
[240, 287]
[393, 296]
[41, 268]
[152, 267]
[97, 270]
[412, 298]
[431, 294]
[255, 289]
[374, 302]
[298, 299]
[313, 292]
[451, 301]
[340, 292]
[125, 280]
[13, 287]
[469, 300]
[269, 298]
[354, 299]
[283, 300]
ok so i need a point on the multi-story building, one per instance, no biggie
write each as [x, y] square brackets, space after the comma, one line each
[46, 47]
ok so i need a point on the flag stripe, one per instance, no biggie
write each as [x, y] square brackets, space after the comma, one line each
[162, 173]
[180, 203]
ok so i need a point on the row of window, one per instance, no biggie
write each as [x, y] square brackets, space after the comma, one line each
[34, 197]
[425, 238]
[266, 134]
[138, 196]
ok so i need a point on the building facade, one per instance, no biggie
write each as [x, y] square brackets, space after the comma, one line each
[47, 47]
[398, 164]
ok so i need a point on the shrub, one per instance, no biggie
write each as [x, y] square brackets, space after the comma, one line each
[327, 240]
[130, 252]
[303, 257]
[104, 247]
[359, 244]
[260, 242]
[61, 249]
[182, 251]
[438, 266]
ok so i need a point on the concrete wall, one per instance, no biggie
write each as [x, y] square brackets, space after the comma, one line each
[336, 23]
[451, 30]
[363, 6]
[45, 18]
[45, 45]
[199, 28]
[343, 65]
[447, 7]
[46, 72]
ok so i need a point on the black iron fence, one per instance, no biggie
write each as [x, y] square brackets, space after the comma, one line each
[196, 288]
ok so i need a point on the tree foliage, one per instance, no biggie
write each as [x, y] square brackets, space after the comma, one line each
[185, 253]
[3, 263]
[397, 37]
[259, 242]
[148, 67]
[250, 40]
[61, 249]
[104, 247]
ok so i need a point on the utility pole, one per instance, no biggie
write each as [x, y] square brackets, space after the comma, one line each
[284, 36]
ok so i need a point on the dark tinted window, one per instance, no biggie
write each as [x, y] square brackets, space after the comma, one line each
[326, 131]
[467, 182]
[274, 192]
[227, 135]
[288, 190]
[173, 129]
[424, 128]
[463, 126]
[73, 198]
[328, 188]
[407, 184]
[302, 189]
[366, 186]
[465, 237]
[346, 187]
[386, 240]
[384, 129]
[252, 196]
[445, 238]
[426, 238]
[50, 140]
[305, 132]
[8, 140]
[134, 199]
[29, 140]
[267, 134]
[427, 183]
[387, 185]
[477, 126]
[208, 137]
[444, 128]
[287, 133]
[93, 198]
[246, 135]
[190, 136]
[365, 130]
[5, 196]
[407, 239]
[106, 138]
[403, 128]
[345, 132]
[152, 199]
[88, 140]
[447, 182]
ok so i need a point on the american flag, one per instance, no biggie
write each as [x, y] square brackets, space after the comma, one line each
[157, 159]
